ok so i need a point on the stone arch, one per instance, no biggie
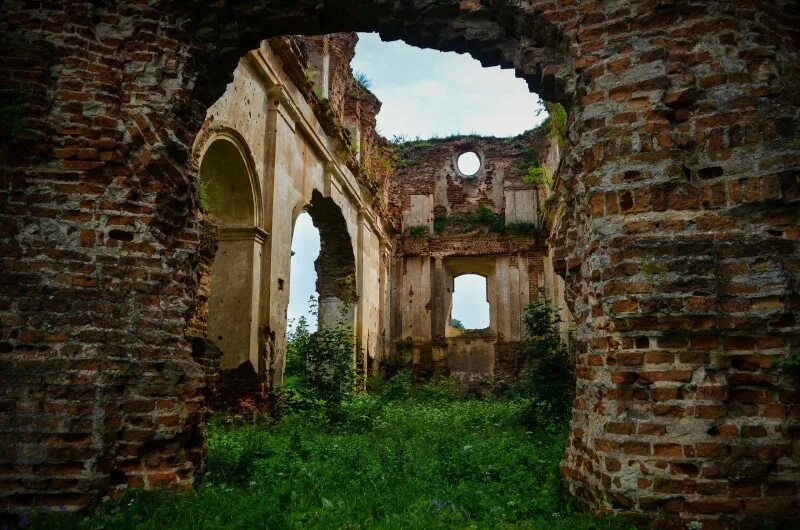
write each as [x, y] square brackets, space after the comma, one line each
[248, 186]
[230, 193]
[336, 265]
[503, 34]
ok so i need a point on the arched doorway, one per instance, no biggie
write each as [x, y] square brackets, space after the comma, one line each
[335, 266]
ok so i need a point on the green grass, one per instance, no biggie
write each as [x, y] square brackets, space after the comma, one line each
[425, 462]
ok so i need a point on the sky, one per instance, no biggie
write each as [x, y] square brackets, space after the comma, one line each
[425, 94]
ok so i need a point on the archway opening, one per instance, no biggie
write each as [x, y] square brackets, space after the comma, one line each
[335, 266]
[302, 311]
[470, 308]
[303, 277]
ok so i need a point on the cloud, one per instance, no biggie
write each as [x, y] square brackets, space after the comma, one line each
[428, 93]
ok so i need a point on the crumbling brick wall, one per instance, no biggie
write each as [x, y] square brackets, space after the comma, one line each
[434, 207]
[678, 239]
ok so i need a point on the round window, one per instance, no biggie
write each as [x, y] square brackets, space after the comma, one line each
[469, 163]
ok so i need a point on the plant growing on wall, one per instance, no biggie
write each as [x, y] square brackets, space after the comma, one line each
[538, 175]
[790, 365]
[485, 217]
[417, 230]
[360, 81]
[556, 123]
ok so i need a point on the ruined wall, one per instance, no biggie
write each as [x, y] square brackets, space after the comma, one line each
[296, 166]
[453, 224]
[678, 239]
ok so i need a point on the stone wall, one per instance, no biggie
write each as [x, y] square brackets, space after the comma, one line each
[678, 235]
[452, 224]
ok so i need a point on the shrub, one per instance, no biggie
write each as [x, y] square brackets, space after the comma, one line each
[329, 365]
[362, 81]
[522, 228]
[550, 376]
[398, 387]
[538, 175]
[439, 389]
[482, 216]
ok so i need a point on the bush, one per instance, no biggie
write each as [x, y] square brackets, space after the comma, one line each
[549, 379]
[399, 387]
[329, 364]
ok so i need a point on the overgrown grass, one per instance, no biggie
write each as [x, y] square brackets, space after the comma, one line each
[428, 460]
[485, 218]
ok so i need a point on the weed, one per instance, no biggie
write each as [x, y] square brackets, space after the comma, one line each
[417, 230]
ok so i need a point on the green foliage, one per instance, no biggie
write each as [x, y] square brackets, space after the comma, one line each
[522, 228]
[362, 81]
[420, 463]
[439, 224]
[205, 201]
[355, 148]
[320, 372]
[482, 216]
[538, 175]
[329, 362]
[790, 365]
[296, 347]
[556, 123]
[531, 156]
[456, 323]
[399, 387]
[418, 230]
[549, 378]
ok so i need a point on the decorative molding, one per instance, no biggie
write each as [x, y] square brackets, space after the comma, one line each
[243, 233]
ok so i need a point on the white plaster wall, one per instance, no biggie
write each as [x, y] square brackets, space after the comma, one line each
[521, 206]
[420, 212]
[291, 157]
[414, 298]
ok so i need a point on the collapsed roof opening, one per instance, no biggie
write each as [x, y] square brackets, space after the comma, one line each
[427, 93]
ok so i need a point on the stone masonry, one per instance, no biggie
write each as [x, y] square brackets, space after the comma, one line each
[432, 200]
[676, 232]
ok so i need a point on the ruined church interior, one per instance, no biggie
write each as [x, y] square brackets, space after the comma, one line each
[625, 272]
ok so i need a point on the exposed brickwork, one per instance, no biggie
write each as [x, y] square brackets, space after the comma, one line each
[336, 264]
[678, 240]
[427, 193]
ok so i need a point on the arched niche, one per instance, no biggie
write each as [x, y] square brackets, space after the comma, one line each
[229, 195]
